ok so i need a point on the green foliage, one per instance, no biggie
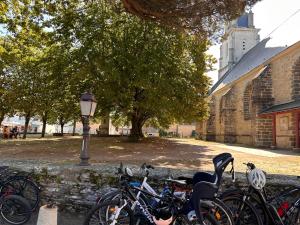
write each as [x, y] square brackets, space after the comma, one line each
[139, 71]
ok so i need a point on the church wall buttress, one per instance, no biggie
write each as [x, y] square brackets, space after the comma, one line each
[262, 99]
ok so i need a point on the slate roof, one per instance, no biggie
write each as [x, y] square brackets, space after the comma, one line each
[255, 57]
[282, 107]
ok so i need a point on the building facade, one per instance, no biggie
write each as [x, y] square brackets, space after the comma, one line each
[257, 101]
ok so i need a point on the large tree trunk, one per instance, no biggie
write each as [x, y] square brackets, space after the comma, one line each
[62, 129]
[62, 124]
[44, 120]
[136, 132]
[27, 119]
[74, 128]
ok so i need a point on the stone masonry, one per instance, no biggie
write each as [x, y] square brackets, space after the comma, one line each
[76, 189]
[227, 116]
[211, 122]
[296, 81]
[262, 99]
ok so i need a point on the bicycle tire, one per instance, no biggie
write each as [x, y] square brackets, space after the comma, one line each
[24, 187]
[219, 210]
[109, 196]
[14, 206]
[249, 215]
[254, 199]
[207, 220]
[293, 218]
[102, 209]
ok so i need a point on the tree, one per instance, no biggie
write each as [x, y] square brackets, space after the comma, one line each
[137, 69]
[52, 81]
[204, 17]
[5, 92]
[24, 23]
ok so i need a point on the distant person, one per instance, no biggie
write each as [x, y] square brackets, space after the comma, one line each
[15, 132]
[5, 132]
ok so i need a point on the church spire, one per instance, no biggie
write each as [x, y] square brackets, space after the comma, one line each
[240, 36]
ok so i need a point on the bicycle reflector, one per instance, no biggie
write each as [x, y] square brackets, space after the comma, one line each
[257, 178]
[283, 209]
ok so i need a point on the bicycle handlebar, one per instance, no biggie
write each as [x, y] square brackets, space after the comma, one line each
[147, 166]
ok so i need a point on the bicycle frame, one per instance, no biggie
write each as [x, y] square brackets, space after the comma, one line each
[268, 208]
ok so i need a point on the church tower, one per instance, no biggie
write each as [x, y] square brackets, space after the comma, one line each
[240, 36]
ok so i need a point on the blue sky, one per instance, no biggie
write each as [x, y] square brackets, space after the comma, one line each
[268, 14]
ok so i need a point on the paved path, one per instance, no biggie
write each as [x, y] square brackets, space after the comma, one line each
[255, 151]
[64, 218]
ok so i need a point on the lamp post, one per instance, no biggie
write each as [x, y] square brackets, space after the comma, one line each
[87, 106]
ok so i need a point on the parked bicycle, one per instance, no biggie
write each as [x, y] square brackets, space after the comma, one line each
[200, 181]
[130, 208]
[254, 207]
[21, 184]
[14, 209]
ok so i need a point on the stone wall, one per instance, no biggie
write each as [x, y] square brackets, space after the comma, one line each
[211, 122]
[263, 137]
[262, 99]
[228, 116]
[75, 188]
[247, 102]
[295, 81]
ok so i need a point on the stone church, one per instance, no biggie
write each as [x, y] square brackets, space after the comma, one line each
[256, 100]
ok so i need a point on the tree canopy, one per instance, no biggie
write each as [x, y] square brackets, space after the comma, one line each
[203, 17]
[140, 71]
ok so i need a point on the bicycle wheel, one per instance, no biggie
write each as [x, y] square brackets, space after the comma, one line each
[23, 187]
[15, 210]
[207, 220]
[254, 200]
[293, 218]
[106, 213]
[218, 209]
[247, 215]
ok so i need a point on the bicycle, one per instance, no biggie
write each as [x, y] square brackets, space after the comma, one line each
[254, 206]
[20, 184]
[14, 209]
[129, 208]
[217, 207]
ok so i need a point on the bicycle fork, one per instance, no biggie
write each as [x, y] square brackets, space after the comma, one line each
[118, 211]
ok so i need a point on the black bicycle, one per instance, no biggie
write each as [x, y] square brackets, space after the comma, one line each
[254, 207]
[14, 209]
[19, 183]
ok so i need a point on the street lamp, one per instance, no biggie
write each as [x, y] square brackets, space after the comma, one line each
[87, 106]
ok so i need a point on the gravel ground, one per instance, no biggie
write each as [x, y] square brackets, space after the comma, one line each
[185, 154]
